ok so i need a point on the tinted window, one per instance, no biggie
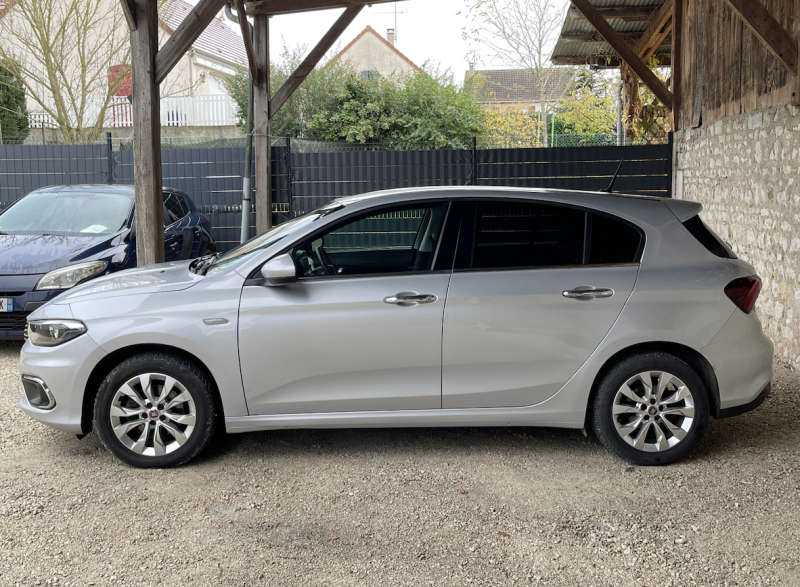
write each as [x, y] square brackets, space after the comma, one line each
[708, 238]
[510, 235]
[613, 241]
[392, 241]
[173, 208]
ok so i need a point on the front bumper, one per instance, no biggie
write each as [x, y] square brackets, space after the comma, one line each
[65, 369]
[20, 289]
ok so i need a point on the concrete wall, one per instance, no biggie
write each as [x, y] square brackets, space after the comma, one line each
[369, 53]
[745, 170]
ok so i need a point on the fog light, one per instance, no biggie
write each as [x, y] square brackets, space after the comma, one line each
[37, 393]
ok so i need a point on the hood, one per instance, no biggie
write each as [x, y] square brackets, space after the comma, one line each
[145, 280]
[31, 254]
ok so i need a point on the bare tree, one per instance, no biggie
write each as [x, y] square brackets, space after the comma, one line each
[521, 33]
[64, 52]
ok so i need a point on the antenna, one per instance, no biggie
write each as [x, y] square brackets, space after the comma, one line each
[395, 12]
[613, 179]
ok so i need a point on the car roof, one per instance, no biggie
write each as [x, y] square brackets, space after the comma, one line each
[93, 188]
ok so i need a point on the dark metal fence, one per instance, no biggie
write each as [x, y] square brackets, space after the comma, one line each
[303, 181]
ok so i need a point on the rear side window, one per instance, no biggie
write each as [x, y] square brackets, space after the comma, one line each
[513, 235]
[174, 208]
[612, 241]
[708, 238]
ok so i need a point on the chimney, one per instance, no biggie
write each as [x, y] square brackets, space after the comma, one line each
[472, 66]
[390, 36]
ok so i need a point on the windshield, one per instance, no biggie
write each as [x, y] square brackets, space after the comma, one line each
[81, 214]
[262, 241]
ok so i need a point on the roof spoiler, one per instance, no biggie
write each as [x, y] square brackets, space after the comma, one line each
[683, 209]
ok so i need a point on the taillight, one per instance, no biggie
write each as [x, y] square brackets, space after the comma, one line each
[743, 292]
[208, 222]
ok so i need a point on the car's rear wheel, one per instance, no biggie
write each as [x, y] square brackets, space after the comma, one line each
[155, 410]
[650, 409]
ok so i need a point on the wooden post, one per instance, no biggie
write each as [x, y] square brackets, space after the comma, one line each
[261, 141]
[147, 183]
[677, 64]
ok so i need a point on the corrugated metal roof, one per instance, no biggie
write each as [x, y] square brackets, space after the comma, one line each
[217, 40]
[586, 50]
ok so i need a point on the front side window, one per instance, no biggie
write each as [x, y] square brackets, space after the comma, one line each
[511, 235]
[392, 240]
[173, 208]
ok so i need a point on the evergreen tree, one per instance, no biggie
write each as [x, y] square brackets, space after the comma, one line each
[13, 109]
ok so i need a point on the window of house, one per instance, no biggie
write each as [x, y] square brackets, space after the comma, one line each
[390, 241]
[119, 80]
[512, 235]
[612, 241]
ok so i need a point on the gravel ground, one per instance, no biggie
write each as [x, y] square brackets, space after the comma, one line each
[403, 507]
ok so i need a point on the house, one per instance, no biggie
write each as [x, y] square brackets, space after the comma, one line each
[372, 55]
[193, 93]
[734, 100]
[520, 87]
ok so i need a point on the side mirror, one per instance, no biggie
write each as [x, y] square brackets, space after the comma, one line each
[279, 270]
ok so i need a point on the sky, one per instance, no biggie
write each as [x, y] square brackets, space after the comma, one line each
[427, 30]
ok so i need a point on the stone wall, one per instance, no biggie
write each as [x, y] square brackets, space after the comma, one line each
[745, 170]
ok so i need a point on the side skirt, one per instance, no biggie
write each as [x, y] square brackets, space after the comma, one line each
[525, 416]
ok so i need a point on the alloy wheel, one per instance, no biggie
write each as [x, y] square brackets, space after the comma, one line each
[653, 411]
[153, 414]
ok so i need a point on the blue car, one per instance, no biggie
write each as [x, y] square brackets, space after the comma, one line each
[57, 237]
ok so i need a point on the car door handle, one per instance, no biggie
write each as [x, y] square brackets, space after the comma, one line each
[408, 299]
[587, 294]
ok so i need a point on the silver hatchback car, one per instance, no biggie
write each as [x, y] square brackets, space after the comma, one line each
[421, 307]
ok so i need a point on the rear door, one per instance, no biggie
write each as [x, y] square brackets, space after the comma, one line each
[535, 289]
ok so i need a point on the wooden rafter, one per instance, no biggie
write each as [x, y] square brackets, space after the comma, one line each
[660, 27]
[605, 61]
[630, 38]
[185, 35]
[310, 62]
[626, 13]
[625, 52]
[248, 40]
[272, 7]
[769, 31]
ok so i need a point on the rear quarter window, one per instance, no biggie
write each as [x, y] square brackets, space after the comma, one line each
[708, 238]
[613, 241]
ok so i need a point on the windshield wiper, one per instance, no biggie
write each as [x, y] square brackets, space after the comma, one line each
[201, 263]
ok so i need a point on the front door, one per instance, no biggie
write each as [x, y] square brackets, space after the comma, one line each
[529, 301]
[361, 329]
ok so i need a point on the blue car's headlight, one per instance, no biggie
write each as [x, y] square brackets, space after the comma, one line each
[54, 332]
[70, 276]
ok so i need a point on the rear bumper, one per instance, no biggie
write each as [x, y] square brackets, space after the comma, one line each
[748, 407]
[741, 356]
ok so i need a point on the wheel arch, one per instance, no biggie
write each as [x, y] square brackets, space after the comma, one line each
[687, 354]
[107, 363]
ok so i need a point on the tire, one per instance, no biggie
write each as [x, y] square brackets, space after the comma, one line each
[151, 434]
[649, 431]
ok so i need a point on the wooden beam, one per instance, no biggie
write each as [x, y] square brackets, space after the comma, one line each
[127, 10]
[261, 139]
[185, 35]
[769, 31]
[625, 52]
[247, 37]
[147, 182]
[796, 89]
[653, 34]
[630, 38]
[626, 13]
[605, 61]
[271, 7]
[677, 65]
[310, 62]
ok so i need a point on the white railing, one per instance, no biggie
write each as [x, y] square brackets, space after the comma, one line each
[208, 110]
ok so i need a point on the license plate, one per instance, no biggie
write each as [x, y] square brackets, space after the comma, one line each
[6, 304]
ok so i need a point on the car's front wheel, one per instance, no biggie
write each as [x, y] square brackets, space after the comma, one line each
[650, 409]
[155, 410]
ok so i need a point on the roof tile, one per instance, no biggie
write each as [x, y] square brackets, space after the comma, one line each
[217, 40]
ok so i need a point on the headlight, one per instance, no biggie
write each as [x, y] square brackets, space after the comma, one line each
[54, 332]
[68, 277]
